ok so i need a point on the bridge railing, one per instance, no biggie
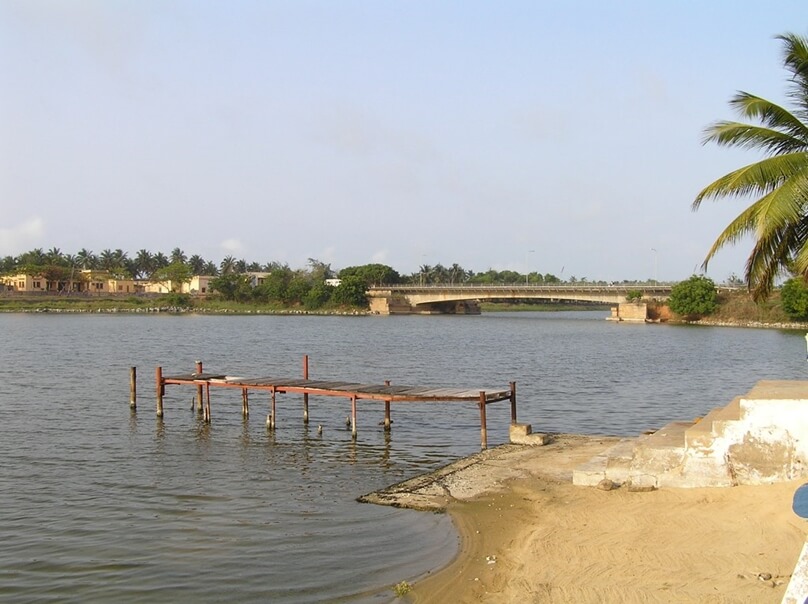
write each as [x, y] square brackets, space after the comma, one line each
[570, 287]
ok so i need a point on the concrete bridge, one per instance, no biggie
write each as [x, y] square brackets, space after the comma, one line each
[465, 298]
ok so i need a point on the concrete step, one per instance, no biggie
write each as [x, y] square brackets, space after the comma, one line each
[732, 413]
[613, 464]
[702, 433]
[658, 454]
[669, 436]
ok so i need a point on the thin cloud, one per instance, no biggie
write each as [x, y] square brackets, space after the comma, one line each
[232, 246]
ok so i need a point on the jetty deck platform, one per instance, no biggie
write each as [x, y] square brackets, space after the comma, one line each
[355, 391]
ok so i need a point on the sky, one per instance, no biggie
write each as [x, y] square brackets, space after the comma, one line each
[559, 137]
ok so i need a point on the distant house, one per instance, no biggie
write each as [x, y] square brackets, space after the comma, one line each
[333, 282]
[101, 282]
[26, 283]
[257, 279]
[199, 285]
[157, 287]
[124, 286]
[94, 281]
[22, 282]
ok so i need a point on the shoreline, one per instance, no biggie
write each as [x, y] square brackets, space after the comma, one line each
[527, 533]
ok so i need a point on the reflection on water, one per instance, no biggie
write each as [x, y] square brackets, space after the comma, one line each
[98, 505]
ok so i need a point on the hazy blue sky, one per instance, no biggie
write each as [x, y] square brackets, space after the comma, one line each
[563, 137]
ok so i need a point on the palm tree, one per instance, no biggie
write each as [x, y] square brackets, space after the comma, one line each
[55, 256]
[8, 264]
[144, 263]
[197, 264]
[778, 218]
[159, 260]
[106, 259]
[86, 259]
[178, 256]
[228, 265]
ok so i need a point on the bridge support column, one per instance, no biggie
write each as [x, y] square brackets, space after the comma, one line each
[630, 311]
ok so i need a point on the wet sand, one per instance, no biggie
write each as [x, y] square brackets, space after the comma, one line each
[529, 535]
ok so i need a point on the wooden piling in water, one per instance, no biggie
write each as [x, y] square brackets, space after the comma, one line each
[353, 416]
[272, 412]
[483, 426]
[199, 388]
[245, 402]
[133, 387]
[160, 390]
[387, 420]
[206, 413]
[513, 402]
[305, 394]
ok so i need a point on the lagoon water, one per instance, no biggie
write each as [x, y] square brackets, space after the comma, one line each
[100, 504]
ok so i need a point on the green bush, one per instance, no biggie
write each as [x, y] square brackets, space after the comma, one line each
[794, 299]
[178, 300]
[693, 298]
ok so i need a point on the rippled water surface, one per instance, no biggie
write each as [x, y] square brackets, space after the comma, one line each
[101, 504]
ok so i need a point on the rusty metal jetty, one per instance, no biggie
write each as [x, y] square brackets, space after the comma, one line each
[385, 393]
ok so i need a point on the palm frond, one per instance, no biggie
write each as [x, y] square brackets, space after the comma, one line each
[749, 136]
[783, 207]
[795, 59]
[769, 114]
[742, 225]
[755, 179]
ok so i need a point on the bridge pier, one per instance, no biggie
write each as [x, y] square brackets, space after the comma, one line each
[389, 305]
[630, 311]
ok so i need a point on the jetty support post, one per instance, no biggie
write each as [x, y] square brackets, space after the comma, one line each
[245, 402]
[158, 377]
[305, 394]
[353, 416]
[199, 397]
[133, 388]
[271, 418]
[483, 426]
[513, 403]
[387, 420]
[207, 402]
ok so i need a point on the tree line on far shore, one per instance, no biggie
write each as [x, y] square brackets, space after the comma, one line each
[281, 284]
[152, 266]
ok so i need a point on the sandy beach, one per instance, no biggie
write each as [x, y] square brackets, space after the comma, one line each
[529, 535]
